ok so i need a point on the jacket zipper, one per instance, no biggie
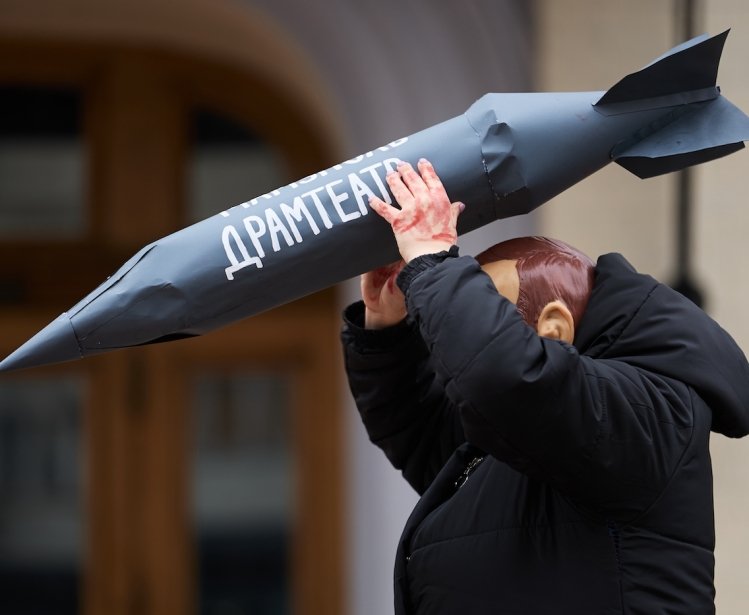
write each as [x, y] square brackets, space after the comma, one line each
[468, 471]
[615, 534]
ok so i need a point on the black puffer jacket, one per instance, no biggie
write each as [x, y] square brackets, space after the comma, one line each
[554, 478]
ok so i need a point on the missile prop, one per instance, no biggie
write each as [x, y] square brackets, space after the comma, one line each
[506, 155]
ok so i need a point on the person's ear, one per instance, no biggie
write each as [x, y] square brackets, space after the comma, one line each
[556, 322]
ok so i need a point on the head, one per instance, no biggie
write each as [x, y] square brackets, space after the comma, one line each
[548, 280]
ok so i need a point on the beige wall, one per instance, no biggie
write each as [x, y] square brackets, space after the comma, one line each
[722, 225]
[589, 45]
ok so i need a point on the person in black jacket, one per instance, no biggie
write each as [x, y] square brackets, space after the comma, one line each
[562, 470]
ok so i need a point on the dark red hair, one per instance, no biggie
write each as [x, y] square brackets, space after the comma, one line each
[549, 270]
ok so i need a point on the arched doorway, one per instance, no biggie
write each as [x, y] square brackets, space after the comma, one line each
[139, 102]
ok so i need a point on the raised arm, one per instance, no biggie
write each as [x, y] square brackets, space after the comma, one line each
[401, 400]
[600, 430]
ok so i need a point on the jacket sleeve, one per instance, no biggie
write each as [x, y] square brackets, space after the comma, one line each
[600, 431]
[401, 400]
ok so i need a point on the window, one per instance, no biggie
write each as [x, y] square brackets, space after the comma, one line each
[228, 165]
[42, 162]
[124, 145]
[243, 490]
[41, 517]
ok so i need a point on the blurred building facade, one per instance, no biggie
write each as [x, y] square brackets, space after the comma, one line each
[229, 474]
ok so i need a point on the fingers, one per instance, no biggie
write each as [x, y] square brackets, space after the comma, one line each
[409, 187]
[402, 194]
[431, 180]
[406, 183]
[383, 209]
[377, 278]
[369, 290]
[455, 210]
[413, 181]
[378, 288]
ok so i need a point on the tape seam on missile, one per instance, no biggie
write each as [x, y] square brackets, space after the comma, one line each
[670, 100]
[113, 281]
[481, 149]
[75, 334]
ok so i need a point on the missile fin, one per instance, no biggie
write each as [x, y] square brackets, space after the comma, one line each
[705, 132]
[689, 67]
[645, 167]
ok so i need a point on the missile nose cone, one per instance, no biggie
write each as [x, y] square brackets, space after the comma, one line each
[55, 343]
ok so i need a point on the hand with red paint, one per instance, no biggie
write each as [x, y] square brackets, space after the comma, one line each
[384, 302]
[426, 222]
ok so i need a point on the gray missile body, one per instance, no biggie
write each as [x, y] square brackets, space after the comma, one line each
[506, 155]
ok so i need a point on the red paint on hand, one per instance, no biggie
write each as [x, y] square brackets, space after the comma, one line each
[385, 276]
[384, 302]
[427, 220]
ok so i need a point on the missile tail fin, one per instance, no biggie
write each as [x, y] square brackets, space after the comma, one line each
[645, 167]
[707, 131]
[690, 67]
